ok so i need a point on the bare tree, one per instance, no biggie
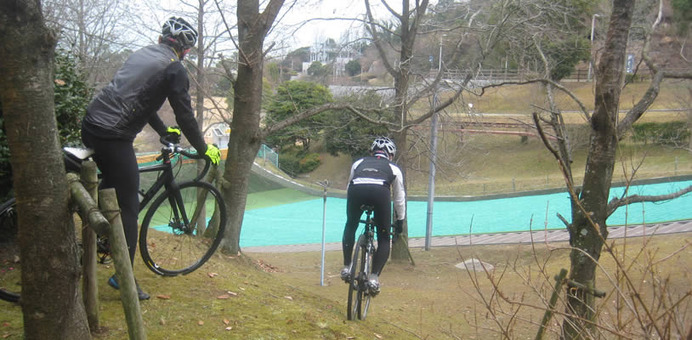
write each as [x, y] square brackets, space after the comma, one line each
[48, 247]
[214, 40]
[245, 139]
[590, 205]
[92, 30]
[401, 38]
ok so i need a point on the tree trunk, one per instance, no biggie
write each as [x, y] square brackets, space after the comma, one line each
[689, 116]
[409, 29]
[587, 238]
[400, 250]
[51, 302]
[246, 136]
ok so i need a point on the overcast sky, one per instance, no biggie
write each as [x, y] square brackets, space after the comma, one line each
[307, 22]
[319, 20]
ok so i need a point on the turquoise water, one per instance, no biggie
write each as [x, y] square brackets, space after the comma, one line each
[298, 223]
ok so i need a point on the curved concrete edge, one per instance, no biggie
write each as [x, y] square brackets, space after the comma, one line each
[338, 193]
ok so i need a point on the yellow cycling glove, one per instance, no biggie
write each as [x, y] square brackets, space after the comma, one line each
[213, 153]
[172, 134]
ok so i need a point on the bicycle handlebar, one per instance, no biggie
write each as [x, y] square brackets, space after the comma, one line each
[174, 148]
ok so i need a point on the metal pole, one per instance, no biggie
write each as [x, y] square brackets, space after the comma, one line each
[593, 23]
[433, 159]
[325, 185]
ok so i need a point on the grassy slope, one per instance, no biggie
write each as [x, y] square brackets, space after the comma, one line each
[228, 298]
[279, 296]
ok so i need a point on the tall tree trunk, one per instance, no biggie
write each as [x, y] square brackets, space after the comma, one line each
[689, 115]
[246, 136]
[400, 251]
[51, 302]
[587, 238]
[402, 76]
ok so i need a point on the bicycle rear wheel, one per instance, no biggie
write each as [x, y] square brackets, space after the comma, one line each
[10, 272]
[182, 229]
[354, 284]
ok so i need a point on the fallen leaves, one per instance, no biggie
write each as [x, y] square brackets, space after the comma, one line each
[267, 267]
[229, 294]
[227, 323]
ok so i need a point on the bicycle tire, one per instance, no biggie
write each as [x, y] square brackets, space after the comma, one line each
[367, 270]
[10, 273]
[170, 246]
[353, 306]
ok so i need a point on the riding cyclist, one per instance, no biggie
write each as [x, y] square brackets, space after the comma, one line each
[372, 181]
[130, 101]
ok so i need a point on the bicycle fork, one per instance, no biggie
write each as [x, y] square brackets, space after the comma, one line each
[179, 219]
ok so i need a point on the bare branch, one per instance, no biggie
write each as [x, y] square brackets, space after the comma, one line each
[619, 202]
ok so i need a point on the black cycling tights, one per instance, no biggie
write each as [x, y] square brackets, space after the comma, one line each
[379, 197]
[118, 164]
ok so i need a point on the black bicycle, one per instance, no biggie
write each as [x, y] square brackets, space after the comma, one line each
[359, 293]
[180, 230]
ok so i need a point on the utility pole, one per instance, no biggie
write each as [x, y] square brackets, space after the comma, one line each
[433, 159]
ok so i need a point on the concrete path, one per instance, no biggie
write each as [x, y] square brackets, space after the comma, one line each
[500, 238]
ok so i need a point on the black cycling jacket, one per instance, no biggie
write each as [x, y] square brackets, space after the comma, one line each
[378, 170]
[138, 90]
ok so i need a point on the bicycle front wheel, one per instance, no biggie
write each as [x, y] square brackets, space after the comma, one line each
[182, 229]
[354, 284]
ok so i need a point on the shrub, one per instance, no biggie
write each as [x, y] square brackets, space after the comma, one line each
[295, 161]
[667, 133]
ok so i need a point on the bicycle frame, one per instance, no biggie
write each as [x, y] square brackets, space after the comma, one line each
[167, 180]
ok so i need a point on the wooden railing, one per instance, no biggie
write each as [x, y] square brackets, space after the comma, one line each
[104, 219]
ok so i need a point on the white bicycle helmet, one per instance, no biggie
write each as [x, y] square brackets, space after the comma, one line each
[179, 31]
[385, 144]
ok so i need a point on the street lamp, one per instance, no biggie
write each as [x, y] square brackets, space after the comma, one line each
[433, 159]
[593, 24]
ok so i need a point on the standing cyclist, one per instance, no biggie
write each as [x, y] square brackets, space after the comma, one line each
[130, 101]
[369, 183]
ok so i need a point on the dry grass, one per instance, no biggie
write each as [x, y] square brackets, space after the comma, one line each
[279, 296]
[436, 300]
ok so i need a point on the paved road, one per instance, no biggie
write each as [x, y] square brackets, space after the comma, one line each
[502, 238]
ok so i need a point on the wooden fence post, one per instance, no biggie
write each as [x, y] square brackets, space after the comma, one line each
[123, 267]
[559, 280]
[90, 290]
